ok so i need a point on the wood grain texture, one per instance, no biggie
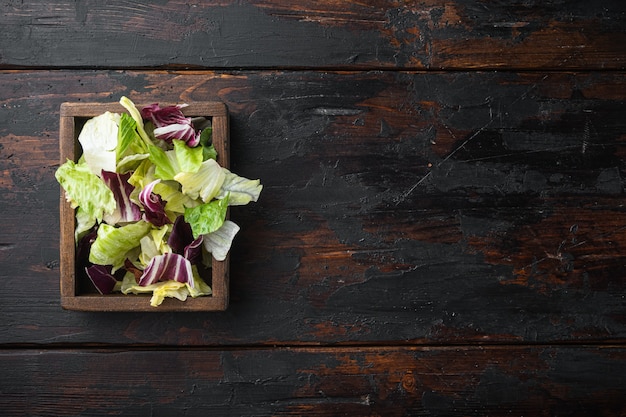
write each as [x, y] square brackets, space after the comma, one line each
[399, 207]
[425, 34]
[497, 381]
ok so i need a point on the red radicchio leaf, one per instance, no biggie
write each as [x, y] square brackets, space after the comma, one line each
[193, 251]
[84, 247]
[182, 242]
[102, 278]
[164, 116]
[184, 132]
[169, 266]
[119, 185]
[170, 123]
[181, 235]
[153, 205]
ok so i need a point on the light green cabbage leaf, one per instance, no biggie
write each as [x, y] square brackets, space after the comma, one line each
[203, 184]
[189, 159]
[219, 242]
[207, 218]
[85, 190]
[112, 244]
[98, 138]
[242, 190]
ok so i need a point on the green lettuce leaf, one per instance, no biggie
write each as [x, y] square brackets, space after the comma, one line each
[85, 190]
[136, 115]
[199, 287]
[207, 218]
[176, 201]
[112, 244]
[98, 139]
[154, 244]
[165, 162]
[208, 150]
[189, 159]
[142, 176]
[241, 190]
[205, 183]
[129, 141]
[219, 242]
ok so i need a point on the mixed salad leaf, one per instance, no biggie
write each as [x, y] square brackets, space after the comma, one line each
[151, 202]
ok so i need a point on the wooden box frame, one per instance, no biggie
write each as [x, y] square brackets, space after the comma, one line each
[72, 117]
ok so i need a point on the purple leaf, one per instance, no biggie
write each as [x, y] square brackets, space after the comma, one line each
[170, 123]
[83, 248]
[193, 251]
[184, 132]
[164, 116]
[169, 266]
[102, 278]
[153, 205]
[182, 242]
[118, 184]
[181, 235]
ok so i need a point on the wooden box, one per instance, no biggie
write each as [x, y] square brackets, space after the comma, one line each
[79, 295]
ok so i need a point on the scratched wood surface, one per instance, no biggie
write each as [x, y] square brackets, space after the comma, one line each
[441, 232]
[389, 34]
[495, 381]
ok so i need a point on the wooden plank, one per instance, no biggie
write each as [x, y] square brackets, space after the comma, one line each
[398, 207]
[495, 381]
[432, 34]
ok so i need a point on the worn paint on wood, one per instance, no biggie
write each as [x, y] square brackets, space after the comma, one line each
[431, 34]
[421, 207]
[433, 238]
[317, 381]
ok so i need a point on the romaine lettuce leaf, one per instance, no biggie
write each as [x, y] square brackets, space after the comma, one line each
[165, 162]
[241, 190]
[189, 159]
[131, 162]
[129, 141]
[176, 201]
[159, 290]
[162, 289]
[208, 217]
[154, 244]
[205, 183]
[208, 150]
[199, 287]
[136, 115]
[113, 243]
[85, 190]
[219, 242]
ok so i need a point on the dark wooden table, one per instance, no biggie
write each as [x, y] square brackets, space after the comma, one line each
[442, 229]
